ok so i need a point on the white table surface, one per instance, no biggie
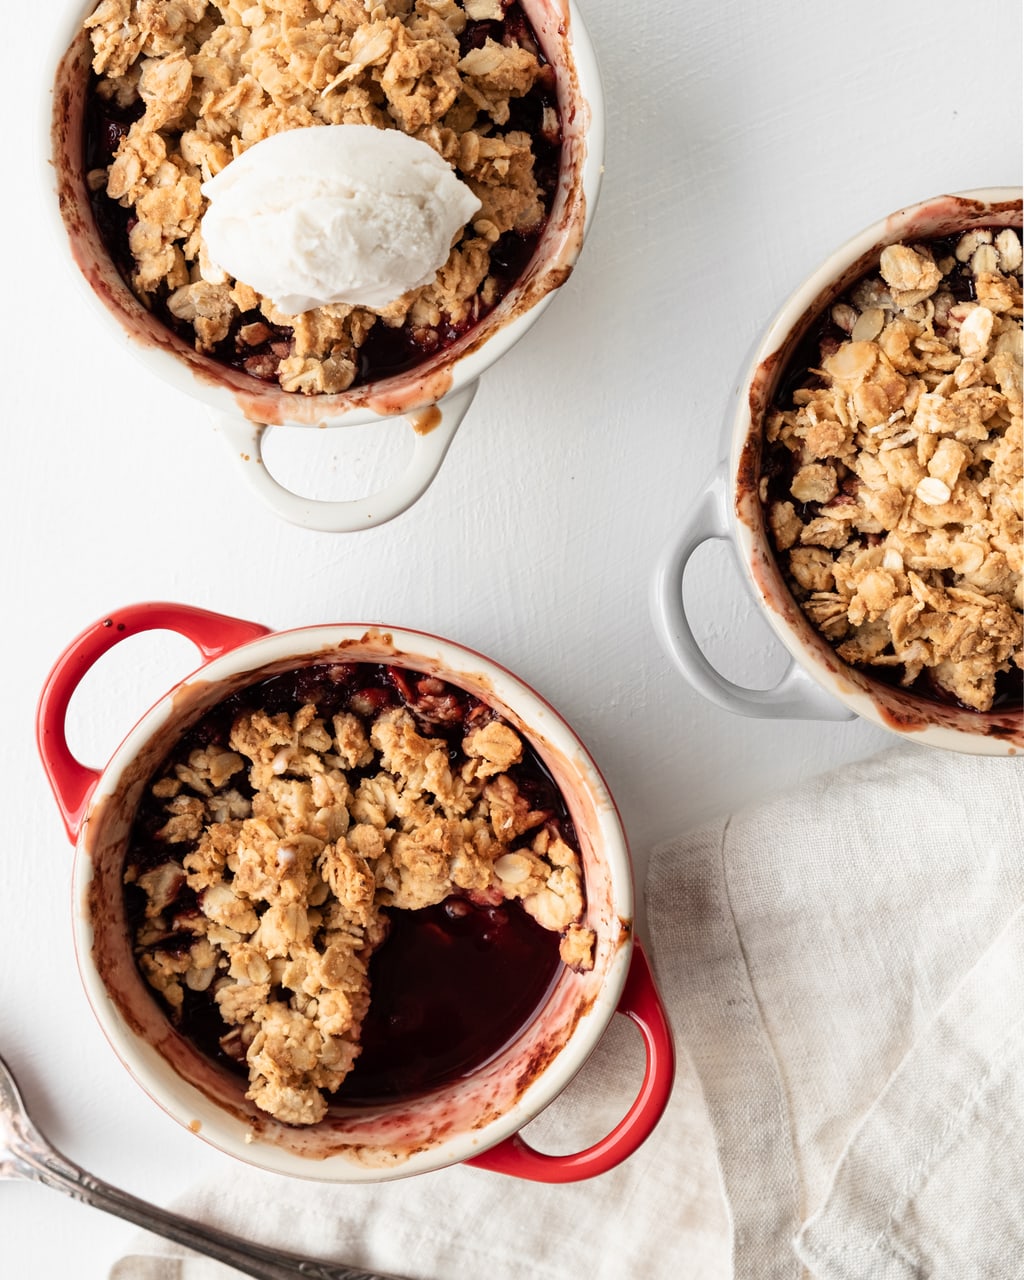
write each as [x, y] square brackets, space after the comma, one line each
[745, 141]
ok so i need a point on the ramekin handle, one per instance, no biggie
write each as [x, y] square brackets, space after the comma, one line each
[430, 445]
[71, 781]
[795, 696]
[641, 1003]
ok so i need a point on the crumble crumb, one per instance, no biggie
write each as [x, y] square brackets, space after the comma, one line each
[893, 480]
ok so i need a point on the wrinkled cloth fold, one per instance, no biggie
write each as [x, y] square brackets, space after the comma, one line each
[931, 1181]
[845, 965]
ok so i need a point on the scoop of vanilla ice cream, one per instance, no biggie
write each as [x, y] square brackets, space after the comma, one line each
[334, 213]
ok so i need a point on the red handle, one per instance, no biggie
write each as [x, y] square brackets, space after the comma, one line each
[640, 1002]
[72, 782]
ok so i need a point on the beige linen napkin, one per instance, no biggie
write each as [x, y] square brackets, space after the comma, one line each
[845, 965]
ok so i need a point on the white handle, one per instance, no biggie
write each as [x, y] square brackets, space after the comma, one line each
[795, 697]
[245, 443]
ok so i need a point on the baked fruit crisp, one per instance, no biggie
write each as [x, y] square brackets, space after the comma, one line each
[892, 472]
[353, 860]
[181, 87]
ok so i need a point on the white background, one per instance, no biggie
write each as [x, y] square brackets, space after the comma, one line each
[745, 141]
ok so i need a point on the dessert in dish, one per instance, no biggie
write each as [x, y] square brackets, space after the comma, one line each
[181, 90]
[891, 471]
[337, 825]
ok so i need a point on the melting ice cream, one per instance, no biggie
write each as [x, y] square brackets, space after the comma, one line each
[334, 214]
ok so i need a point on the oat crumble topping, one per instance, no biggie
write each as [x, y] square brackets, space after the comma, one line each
[272, 856]
[203, 80]
[893, 479]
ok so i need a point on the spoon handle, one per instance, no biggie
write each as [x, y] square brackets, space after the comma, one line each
[32, 1158]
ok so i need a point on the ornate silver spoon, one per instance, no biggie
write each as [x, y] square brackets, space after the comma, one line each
[26, 1154]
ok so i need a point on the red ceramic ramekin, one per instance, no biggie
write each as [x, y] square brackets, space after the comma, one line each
[476, 1119]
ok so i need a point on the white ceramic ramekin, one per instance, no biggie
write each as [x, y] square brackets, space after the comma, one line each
[435, 396]
[476, 1119]
[817, 684]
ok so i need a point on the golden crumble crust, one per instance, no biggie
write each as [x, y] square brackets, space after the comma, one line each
[213, 77]
[901, 531]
